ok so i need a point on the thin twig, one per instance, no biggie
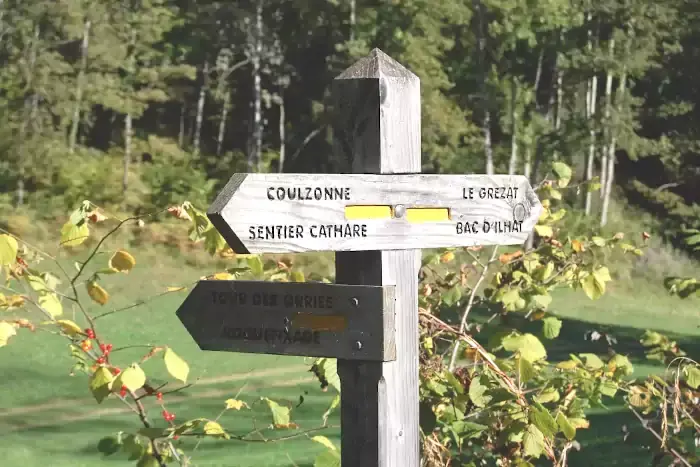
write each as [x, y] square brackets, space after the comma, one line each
[645, 425]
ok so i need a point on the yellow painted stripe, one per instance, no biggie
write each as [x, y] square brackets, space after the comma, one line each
[427, 214]
[319, 322]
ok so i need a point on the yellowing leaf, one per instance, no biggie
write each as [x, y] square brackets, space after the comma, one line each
[100, 383]
[592, 287]
[577, 246]
[175, 289]
[280, 414]
[69, 327]
[544, 230]
[551, 327]
[133, 378]
[8, 250]
[74, 235]
[222, 276]
[122, 261]
[567, 365]
[97, 293]
[297, 276]
[579, 423]
[96, 216]
[7, 330]
[215, 430]
[235, 404]
[533, 442]
[529, 346]
[447, 257]
[51, 304]
[176, 366]
[324, 441]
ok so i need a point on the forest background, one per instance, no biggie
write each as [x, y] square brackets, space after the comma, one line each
[138, 106]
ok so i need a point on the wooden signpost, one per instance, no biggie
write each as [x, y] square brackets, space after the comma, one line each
[377, 212]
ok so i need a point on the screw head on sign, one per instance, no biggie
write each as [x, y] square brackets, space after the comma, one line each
[354, 301]
[399, 210]
[358, 345]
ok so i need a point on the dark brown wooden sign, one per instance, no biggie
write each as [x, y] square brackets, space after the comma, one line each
[353, 322]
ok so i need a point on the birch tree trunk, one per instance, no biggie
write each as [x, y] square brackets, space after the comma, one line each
[200, 110]
[591, 99]
[513, 128]
[30, 104]
[127, 151]
[610, 177]
[606, 125]
[256, 147]
[353, 18]
[80, 85]
[283, 146]
[222, 123]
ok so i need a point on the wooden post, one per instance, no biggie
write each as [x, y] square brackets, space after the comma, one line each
[377, 130]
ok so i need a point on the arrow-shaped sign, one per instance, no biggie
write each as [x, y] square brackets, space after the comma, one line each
[281, 213]
[313, 319]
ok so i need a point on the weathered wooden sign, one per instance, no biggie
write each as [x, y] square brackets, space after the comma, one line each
[352, 322]
[281, 213]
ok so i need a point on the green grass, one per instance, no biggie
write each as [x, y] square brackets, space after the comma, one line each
[48, 418]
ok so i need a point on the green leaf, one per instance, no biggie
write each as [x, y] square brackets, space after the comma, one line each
[326, 369]
[592, 361]
[176, 366]
[598, 241]
[543, 420]
[325, 441]
[8, 250]
[608, 388]
[542, 301]
[100, 383]
[133, 378]
[215, 430]
[109, 445]
[551, 327]
[477, 393]
[297, 276]
[566, 427]
[452, 296]
[548, 395]
[533, 442]
[544, 230]
[526, 370]
[256, 265]
[468, 430]
[562, 172]
[592, 287]
[280, 414]
[74, 235]
[334, 405]
[131, 445]
[529, 346]
[692, 376]
[602, 275]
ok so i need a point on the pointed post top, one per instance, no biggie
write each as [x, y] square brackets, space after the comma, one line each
[375, 65]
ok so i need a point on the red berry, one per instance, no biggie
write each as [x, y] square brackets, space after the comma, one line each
[103, 348]
[166, 414]
[109, 348]
[123, 390]
[116, 371]
[90, 333]
[159, 396]
[176, 437]
[100, 360]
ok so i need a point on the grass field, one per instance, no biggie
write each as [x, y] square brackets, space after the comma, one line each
[48, 418]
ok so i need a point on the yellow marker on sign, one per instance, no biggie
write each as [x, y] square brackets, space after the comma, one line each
[319, 322]
[427, 214]
[367, 212]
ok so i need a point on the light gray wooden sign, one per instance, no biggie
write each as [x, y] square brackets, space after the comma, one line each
[352, 322]
[282, 213]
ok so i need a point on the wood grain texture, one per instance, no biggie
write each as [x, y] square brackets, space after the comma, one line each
[292, 318]
[378, 130]
[255, 214]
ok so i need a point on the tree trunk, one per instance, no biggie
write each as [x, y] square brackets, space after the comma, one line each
[486, 120]
[513, 128]
[200, 110]
[610, 178]
[222, 123]
[30, 104]
[256, 147]
[283, 146]
[79, 87]
[591, 98]
[606, 124]
[353, 18]
[127, 151]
